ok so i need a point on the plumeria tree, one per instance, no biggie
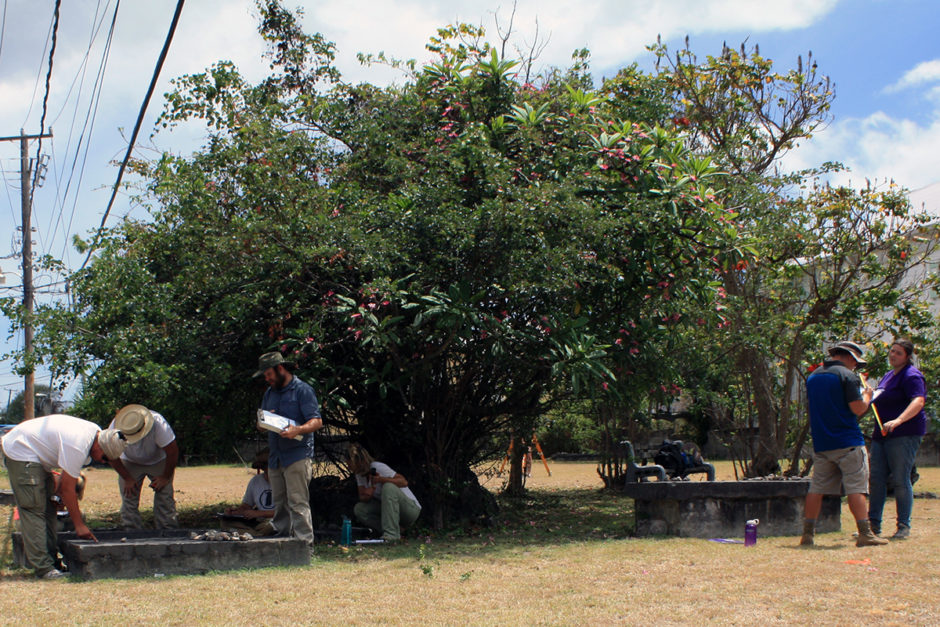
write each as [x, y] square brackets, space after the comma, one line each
[444, 258]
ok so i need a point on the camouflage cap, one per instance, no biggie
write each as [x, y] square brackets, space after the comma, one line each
[270, 360]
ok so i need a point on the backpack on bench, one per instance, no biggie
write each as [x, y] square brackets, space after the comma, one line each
[674, 459]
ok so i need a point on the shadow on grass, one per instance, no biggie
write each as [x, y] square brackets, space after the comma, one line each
[838, 546]
[540, 518]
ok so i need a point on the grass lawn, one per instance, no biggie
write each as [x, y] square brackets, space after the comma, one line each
[562, 555]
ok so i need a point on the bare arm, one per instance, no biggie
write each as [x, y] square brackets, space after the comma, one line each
[859, 407]
[70, 498]
[398, 480]
[130, 484]
[247, 511]
[313, 424]
[913, 408]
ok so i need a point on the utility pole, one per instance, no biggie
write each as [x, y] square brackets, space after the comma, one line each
[26, 201]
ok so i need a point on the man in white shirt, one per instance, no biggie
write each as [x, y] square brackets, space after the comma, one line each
[31, 450]
[151, 452]
[257, 506]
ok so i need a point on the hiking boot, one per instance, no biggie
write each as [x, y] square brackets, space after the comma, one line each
[809, 533]
[55, 573]
[903, 532]
[866, 537]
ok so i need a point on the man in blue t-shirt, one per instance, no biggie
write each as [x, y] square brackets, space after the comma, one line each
[836, 401]
[290, 463]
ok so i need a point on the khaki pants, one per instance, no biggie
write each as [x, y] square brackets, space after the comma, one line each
[33, 488]
[389, 513]
[290, 488]
[164, 505]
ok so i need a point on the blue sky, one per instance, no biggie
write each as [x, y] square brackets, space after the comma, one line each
[882, 56]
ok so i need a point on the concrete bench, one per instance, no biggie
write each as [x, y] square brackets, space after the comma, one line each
[636, 472]
[719, 509]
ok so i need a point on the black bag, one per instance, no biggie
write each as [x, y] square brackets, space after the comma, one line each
[672, 458]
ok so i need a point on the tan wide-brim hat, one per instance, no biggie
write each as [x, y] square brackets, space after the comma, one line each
[134, 421]
[112, 443]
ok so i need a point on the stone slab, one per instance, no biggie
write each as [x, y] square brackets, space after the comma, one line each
[719, 509]
[129, 554]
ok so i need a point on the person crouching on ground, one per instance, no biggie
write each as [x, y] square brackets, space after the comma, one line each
[836, 401]
[257, 506]
[386, 503]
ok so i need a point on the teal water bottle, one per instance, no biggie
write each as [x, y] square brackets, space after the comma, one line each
[346, 534]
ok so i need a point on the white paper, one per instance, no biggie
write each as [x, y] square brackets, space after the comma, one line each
[274, 422]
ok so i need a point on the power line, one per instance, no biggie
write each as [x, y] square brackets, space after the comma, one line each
[38, 168]
[140, 120]
[6, 186]
[88, 126]
[83, 66]
[32, 99]
[45, 97]
[3, 24]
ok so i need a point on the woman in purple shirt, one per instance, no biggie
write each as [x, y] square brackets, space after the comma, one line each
[900, 401]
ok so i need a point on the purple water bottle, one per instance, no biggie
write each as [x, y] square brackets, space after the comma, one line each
[750, 532]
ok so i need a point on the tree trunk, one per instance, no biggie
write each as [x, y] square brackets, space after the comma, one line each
[767, 455]
[515, 487]
[790, 381]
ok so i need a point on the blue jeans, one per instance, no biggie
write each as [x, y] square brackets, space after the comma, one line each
[894, 456]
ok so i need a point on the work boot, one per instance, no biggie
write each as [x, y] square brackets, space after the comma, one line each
[903, 532]
[865, 535]
[875, 526]
[809, 533]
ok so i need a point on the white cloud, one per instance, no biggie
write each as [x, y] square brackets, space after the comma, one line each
[876, 147]
[616, 31]
[926, 72]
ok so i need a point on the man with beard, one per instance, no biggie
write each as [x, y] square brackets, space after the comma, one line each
[290, 461]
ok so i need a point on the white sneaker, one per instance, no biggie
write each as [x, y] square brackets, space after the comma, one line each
[55, 573]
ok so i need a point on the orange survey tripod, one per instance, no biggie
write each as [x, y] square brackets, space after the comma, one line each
[538, 447]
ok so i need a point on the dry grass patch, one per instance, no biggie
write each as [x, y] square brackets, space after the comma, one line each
[560, 556]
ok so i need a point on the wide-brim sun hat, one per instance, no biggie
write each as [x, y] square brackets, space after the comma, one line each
[112, 443]
[853, 349]
[134, 421]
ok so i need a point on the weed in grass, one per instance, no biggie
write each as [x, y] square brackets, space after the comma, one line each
[426, 567]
